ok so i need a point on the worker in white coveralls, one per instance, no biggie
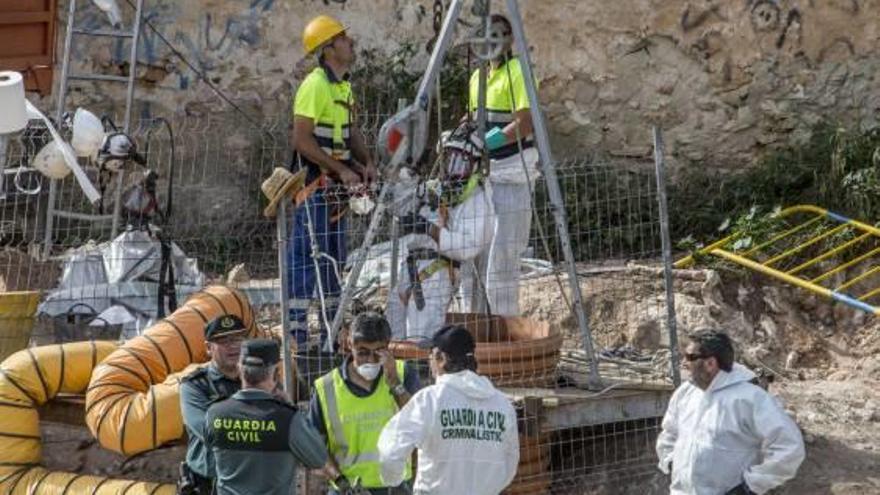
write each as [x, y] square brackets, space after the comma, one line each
[723, 435]
[464, 429]
[512, 173]
[453, 227]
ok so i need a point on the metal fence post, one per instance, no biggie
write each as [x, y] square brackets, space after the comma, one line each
[671, 321]
[4, 143]
[281, 222]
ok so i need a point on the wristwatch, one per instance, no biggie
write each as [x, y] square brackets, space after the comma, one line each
[398, 390]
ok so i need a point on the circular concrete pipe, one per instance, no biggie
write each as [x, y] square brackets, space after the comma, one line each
[511, 351]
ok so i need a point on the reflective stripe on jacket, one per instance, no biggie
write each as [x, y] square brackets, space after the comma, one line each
[505, 95]
[329, 103]
[354, 423]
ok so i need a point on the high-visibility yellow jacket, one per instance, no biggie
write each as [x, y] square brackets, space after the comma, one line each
[354, 423]
[505, 95]
[328, 102]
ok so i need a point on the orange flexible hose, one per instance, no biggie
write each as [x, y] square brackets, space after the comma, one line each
[29, 379]
[132, 401]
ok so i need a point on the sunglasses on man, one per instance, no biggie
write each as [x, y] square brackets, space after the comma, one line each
[365, 354]
[691, 357]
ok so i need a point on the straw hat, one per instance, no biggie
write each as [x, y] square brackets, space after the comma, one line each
[281, 184]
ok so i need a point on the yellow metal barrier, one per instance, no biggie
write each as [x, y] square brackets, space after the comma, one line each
[17, 310]
[811, 236]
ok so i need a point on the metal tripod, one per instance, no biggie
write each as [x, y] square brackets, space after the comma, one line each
[74, 32]
[406, 136]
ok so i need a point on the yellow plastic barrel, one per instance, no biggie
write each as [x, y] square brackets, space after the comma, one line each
[17, 311]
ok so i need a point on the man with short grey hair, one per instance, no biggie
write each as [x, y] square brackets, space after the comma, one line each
[258, 439]
[723, 435]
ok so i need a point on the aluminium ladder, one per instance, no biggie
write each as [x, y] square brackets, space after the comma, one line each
[74, 32]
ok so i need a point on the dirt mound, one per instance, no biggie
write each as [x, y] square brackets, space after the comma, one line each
[786, 330]
[824, 357]
[840, 421]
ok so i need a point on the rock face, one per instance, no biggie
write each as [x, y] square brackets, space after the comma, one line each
[726, 79]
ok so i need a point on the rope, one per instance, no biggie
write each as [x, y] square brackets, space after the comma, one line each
[541, 232]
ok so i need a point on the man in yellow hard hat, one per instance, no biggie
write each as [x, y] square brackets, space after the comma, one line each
[332, 150]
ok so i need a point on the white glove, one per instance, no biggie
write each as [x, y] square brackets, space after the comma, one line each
[434, 186]
[361, 204]
[430, 214]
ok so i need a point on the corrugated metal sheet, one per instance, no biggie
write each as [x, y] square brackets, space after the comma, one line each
[27, 40]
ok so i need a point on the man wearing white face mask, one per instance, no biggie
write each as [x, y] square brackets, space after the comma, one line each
[352, 403]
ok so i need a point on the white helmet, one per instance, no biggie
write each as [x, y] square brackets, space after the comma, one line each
[50, 161]
[88, 133]
[462, 149]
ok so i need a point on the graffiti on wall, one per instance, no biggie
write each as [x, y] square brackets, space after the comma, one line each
[204, 41]
[714, 31]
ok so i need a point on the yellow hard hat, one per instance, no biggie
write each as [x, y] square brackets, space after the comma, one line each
[320, 30]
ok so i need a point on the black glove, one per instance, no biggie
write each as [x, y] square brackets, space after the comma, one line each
[414, 224]
[741, 489]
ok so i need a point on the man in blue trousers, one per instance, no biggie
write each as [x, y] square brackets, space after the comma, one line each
[336, 159]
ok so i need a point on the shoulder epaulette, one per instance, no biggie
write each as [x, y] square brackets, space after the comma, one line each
[199, 373]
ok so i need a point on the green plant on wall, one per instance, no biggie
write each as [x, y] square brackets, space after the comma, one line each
[837, 168]
[863, 189]
[752, 229]
[382, 78]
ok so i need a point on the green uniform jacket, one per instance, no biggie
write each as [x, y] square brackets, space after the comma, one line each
[258, 441]
[197, 392]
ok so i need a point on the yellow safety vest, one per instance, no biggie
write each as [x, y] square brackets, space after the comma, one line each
[354, 424]
[329, 103]
[505, 95]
